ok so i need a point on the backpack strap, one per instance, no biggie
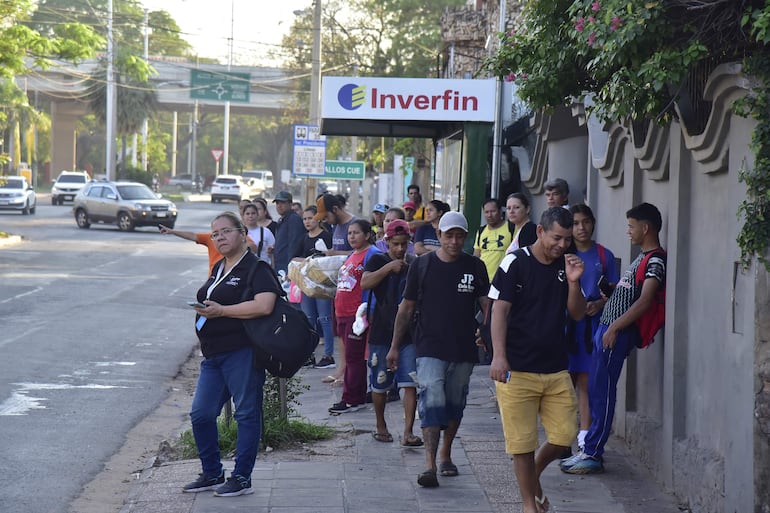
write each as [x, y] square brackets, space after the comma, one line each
[261, 241]
[642, 269]
[478, 234]
[602, 257]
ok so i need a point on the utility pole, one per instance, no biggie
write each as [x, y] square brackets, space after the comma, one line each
[226, 138]
[146, 59]
[311, 184]
[109, 150]
[497, 136]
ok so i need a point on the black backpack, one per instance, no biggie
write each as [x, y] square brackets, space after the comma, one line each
[282, 341]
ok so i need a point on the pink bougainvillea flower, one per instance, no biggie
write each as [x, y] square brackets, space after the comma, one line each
[510, 77]
[580, 25]
[591, 38]
[596, 6]
[591, 19]
[512, 32]
[616, 23]
[523, 76]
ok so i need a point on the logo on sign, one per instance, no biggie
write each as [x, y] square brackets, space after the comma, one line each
[351, 96]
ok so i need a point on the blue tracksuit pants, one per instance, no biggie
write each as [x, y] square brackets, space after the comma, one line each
[606, 365]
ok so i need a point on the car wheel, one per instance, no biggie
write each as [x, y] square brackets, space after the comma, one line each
[81, 218]
[25, 210]
[124, 222]
[32, 209]
[53, 200]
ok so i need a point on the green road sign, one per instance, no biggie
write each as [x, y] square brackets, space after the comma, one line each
[220, 86]
[344, 170]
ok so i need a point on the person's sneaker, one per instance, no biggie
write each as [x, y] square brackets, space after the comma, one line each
[204, 483]
[326, 362]
[343, 407]
[235, 485]
[582, 464]
[310, 361]
[571, 460]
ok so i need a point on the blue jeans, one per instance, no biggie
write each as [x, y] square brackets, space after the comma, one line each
[603, 377]
[225, 375]
[442, 389]
[319, 311]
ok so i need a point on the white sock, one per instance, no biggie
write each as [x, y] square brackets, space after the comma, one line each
[581, 438]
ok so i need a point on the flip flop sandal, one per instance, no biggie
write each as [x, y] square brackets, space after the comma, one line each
[542, 504]
[448, 469]
[412, 441]
[428, 479]
[382, 437]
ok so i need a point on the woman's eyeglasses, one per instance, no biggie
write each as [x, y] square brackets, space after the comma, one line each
[223, 232]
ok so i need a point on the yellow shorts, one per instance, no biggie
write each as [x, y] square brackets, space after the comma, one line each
[524, 396]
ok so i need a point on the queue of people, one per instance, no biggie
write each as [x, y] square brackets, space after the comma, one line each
[559, 315]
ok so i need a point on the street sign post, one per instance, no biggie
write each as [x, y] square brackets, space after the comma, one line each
[309, 155]
[344, 170]
[220, 86]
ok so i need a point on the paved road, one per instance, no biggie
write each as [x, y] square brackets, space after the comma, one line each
[92, 323]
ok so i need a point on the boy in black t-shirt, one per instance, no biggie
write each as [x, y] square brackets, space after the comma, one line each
[442, 289]
[532, 290]
[385, 274]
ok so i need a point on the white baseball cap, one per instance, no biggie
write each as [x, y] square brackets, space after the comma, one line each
[452, 220]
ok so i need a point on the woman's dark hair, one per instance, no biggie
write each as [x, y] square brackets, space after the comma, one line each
[519, 196]
[366, 228]
[311, 208]
[439, 205]
[263, 202]
[235, 221]
[581, 208]
[398, 211]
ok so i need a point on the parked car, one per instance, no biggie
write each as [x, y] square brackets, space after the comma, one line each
[17, 194]
[181, 182]
[127, 204]
[263, 177]
[67, 185]
[234, 187]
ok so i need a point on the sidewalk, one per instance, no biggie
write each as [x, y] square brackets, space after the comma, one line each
[362, 475]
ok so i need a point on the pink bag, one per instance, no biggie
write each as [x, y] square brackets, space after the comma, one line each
[295, 294]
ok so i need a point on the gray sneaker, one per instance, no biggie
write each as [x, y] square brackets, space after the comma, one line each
[235, 485]
[204, 483]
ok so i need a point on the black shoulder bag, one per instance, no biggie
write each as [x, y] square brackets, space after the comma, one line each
[283, 340]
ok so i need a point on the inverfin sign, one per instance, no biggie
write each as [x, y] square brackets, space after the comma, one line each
[408, 99]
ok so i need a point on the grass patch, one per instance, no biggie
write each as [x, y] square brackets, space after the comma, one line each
[276, 433]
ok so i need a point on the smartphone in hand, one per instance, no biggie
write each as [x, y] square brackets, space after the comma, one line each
[196, 304]
[604, 286]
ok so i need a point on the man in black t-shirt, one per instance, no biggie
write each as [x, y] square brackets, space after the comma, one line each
[532, 290]
[385, 274]
[443, 288]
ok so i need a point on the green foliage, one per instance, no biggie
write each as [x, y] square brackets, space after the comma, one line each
[754, 236]
[18, 42]
[634, 57]
[630, 56]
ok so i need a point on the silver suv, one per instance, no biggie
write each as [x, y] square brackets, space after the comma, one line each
[67, 185]
[127, 204]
